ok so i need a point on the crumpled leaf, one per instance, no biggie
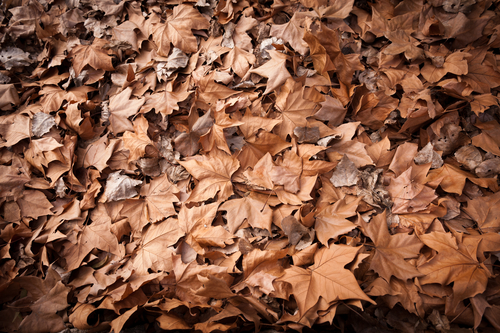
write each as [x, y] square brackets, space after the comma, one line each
[11, 57]
[42, 123]
[345, 174]
[120, 187]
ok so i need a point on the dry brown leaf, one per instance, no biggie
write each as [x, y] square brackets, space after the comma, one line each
[308, 285]
[214, 174]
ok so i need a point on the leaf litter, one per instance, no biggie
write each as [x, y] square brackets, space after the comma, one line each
[246, 165]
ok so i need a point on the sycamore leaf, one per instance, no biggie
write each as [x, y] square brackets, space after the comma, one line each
[42, 123]
[239, 60]
[44, 316]
[293, 107]
[452, 179]
[407, 192]
[179, 26]
[485, 211]
[216, 135]
[154, 251]
[482, 77]
[13, 129]
[97, 153]
[251, 124]
[214, 173]
[332, 221]
[169, 321]
[327, 278]
[190, 219]
[96, 235]
[119, 187]
[454, 63]
[34, 204]
[453, 264]
[260, 175]
[391, 250]
[291, 33]
[287, 172]
[258, 214]
[92, 55]
[159, 194]
[137, 141]
[275, 70]
[8, 95]
[120, 108]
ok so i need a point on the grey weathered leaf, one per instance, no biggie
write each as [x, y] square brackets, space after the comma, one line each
[429, 155]
[42, 123]
[120, 187]
[12, 57]
[346, 173]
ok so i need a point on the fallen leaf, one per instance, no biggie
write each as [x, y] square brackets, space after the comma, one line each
[308, 285]
[120, 187]
[214, 174]
[391, 250]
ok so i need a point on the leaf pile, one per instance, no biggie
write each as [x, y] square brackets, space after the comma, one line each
[237, 165]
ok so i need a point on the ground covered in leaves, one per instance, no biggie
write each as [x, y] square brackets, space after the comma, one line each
[250, 165]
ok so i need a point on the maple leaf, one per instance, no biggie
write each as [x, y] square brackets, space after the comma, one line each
[120, 108]
[216, 136]
[178, 28]
[293, 107]
[453, 264]
[239, 61]
[97, 153]
[154, 251]
[258, 214]
[408, 193]
[137, 142]
[291, 33]
[95, 235]
[275, 70]
[332, 221]
[13, 129]
[327, 278]
[190, 219]
[214, 173]
[391, 250]
[452, 179]
[92, 55]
